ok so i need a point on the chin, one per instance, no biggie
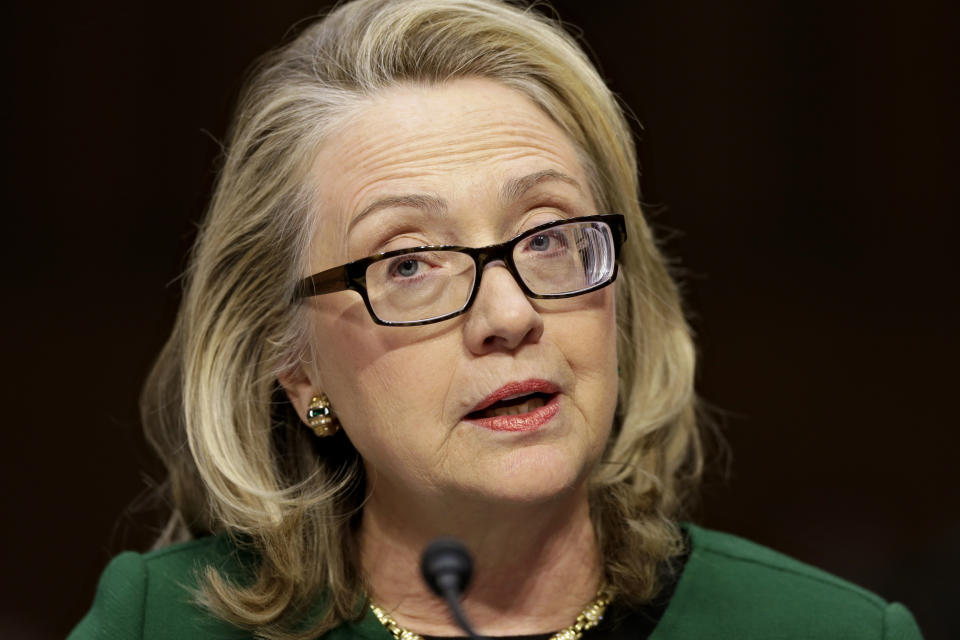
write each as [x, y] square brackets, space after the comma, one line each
[533, 475]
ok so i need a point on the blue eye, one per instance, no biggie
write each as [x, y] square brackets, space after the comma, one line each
[539, 243]
[408, 268]
[550, 240]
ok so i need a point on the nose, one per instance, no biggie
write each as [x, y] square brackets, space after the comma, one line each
[502, 318]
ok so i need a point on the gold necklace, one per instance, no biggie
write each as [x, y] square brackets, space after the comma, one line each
[588, 619]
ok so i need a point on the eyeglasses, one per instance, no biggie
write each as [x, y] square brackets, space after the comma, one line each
[421, 285]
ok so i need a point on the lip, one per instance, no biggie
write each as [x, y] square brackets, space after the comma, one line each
[522, 421]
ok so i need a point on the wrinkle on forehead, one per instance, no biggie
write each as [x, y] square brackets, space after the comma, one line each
[414, 138]
[395, 156]
[447, 145]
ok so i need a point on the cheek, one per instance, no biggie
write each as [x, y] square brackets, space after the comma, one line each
[381, 379]
[589, 335]
[588, 339]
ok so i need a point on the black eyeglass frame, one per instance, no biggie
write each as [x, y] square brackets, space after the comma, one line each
[353, 275]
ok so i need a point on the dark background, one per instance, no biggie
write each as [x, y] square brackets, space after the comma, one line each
[805, 153]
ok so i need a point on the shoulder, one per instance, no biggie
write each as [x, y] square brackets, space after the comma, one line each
[152, 595]
[736, 588]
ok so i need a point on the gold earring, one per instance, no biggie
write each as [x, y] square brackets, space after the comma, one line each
[320, 416]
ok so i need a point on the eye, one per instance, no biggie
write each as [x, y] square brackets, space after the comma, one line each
[539, 242]
[407, 268]
[551, 240]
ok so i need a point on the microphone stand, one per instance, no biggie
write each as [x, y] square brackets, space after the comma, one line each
[447, 567]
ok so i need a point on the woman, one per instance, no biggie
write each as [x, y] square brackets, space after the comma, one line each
[425, 302]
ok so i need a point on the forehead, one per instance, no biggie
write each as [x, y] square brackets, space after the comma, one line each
[458, 141]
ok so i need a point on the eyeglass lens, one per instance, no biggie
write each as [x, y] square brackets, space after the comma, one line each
[560, 260]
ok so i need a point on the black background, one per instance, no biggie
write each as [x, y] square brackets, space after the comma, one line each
[805, 157]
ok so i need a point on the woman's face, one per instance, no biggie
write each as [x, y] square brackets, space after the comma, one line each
[472, 163]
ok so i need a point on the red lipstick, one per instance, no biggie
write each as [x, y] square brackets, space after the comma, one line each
[527, 421]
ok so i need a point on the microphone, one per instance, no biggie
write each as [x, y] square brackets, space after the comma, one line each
[446, 566]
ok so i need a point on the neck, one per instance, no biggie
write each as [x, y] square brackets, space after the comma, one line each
[535, 566]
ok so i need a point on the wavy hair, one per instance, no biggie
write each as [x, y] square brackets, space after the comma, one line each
[240, 461]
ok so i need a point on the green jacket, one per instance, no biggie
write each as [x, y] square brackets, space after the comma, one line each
[730, 588]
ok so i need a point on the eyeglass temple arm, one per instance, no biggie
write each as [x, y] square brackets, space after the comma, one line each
[329, 281]
[619, 230]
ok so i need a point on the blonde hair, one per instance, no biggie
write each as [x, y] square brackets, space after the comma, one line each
[241, 462]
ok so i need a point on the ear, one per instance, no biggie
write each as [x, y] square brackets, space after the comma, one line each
[299, 388]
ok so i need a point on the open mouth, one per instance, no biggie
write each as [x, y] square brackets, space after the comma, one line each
[513, 406]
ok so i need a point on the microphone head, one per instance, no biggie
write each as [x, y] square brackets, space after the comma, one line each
[446, 565]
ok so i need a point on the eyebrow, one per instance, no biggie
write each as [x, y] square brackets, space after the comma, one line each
[514, 189]
[423, 201]
[511, 191]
